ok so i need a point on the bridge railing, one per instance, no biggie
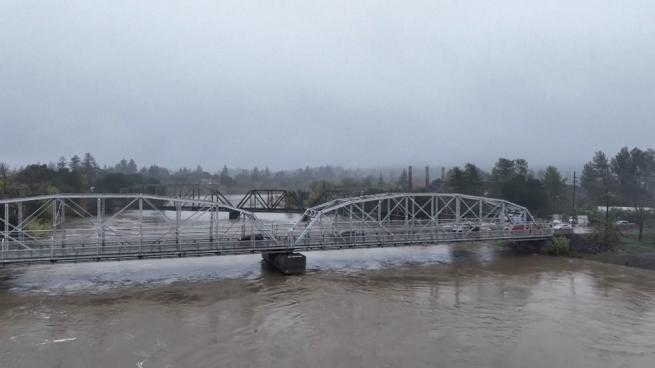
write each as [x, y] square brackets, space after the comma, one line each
[341, 234]
[152, 241]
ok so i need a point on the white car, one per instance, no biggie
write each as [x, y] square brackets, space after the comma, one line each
[623, 224]
[558, 225]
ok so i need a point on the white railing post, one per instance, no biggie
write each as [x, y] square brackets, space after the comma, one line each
[178, 220]
[54, 228]
[140, 224]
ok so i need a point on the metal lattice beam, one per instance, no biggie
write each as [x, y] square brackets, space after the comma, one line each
[95, 226]
[401, 213]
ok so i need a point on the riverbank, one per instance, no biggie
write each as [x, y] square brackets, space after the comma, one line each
[632, 256]
[629, 253]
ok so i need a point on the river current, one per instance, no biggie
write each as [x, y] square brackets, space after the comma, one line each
[429, 306]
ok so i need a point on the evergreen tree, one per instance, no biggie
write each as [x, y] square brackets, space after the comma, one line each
[511, 180]
[403, 180]
[75, 163]
[61, 164]
[596, 178]
[225, 172]
[521, 167]
[121, 167]
[88, 170]
[255, 176]
[4, 176]
[555, 187]
[503, 171]
[473, 179]
[456, 181]
[131, 167]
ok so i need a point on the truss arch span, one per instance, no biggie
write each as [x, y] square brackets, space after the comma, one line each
[393, 213]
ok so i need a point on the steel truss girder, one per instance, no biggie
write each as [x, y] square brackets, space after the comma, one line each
[270, 199]
[30, 237]
[101, 230]
[419, 211]
[182, 190]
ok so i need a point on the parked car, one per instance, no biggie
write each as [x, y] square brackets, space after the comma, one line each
[482, 227]
[249, 237]
[559, 225]
[459, 228]
[520, 227]
[626, 225]
[351, 234]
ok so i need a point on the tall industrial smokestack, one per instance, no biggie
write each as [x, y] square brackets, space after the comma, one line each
[427, 176]
[443, 173]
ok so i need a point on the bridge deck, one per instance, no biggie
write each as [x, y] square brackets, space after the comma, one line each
[249, 209]
[92, 250]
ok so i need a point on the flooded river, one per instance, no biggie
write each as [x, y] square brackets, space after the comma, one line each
[449, 306]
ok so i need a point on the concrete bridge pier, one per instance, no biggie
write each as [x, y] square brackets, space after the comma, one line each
[287, 263]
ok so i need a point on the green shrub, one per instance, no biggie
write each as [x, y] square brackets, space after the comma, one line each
[39, 228]
[604, 233]
[560, 246]
[503, 244]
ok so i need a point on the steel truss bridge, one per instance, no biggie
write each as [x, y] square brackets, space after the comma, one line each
[271, 200]
[93, 227]
[255, 200]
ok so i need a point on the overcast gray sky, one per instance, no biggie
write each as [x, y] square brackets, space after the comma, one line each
[356, 83]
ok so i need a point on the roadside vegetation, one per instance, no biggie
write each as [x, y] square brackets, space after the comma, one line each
[560, 246]
[632, 239]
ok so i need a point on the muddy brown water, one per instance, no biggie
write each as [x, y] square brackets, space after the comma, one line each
[438, 306]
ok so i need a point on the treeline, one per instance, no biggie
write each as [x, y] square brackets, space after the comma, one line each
[544, 193]
[84, 175]
[626, 179]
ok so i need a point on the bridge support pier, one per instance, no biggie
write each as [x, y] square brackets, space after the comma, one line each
[287, 263]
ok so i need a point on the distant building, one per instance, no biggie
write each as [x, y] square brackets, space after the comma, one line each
[626, 209]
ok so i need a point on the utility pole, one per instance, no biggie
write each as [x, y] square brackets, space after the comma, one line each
[607, 205]
[574, 188]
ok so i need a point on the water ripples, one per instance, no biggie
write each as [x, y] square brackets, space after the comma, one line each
[461, 307]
